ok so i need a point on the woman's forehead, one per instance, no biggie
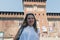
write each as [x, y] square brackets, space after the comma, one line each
[30, 16]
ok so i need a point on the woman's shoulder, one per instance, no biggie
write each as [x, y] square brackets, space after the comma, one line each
[25, 31]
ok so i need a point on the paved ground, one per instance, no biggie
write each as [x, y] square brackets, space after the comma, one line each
[42, 38]
[9, 39]
[49, 38]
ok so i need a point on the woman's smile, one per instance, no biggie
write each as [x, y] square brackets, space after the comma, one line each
[30, 20]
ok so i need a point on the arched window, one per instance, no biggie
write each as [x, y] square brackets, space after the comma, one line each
[1, 36]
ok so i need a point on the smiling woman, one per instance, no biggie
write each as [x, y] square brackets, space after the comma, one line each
[11, 5]
[28, 30]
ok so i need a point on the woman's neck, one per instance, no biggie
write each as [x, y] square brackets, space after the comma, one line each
[30, 25]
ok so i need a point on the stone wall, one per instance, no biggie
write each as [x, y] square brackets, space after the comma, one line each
[9, 27]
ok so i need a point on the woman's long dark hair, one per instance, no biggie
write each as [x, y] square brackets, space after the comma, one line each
[25, 24]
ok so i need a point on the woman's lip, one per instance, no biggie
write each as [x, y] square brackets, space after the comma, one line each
[30, 21]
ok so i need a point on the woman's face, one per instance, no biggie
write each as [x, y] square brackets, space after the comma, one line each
[30, 20]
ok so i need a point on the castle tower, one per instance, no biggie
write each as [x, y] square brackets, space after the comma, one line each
[38, 8]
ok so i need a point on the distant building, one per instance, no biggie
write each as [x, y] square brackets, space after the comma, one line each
[10, 22]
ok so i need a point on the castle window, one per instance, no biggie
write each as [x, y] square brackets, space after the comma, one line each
[39, 14]
[11, 13]
[0, 13]
[8, 13]
[40, 8]
[29, 8]
[35, 14]
[35, 7]
[1, 36]
[43, 14]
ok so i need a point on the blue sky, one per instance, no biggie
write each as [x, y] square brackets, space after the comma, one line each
[11, 5]
[16, 5]
[53, 6]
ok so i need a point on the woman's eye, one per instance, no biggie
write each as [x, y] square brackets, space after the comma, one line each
[28, 18]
